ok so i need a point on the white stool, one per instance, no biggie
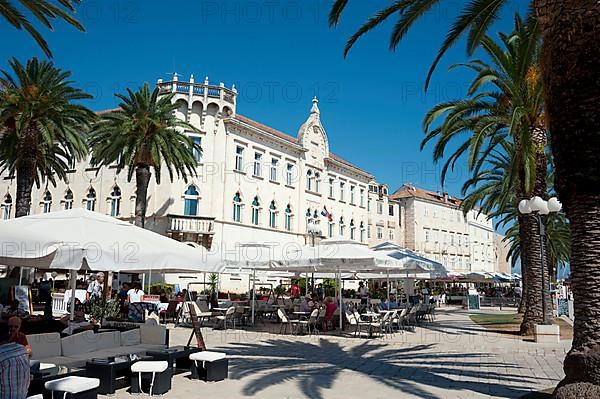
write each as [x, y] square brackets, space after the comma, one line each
[77, 387]
[153, 367]
[215, 365]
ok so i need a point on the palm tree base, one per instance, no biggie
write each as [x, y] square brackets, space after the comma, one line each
[577, 390]
[582, 370]
[527, 328]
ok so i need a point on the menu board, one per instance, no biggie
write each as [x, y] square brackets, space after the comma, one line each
[23, 295]
[473, 302]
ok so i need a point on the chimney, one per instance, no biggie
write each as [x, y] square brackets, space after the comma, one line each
[445, 197]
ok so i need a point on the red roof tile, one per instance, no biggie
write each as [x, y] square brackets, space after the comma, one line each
[408, 191]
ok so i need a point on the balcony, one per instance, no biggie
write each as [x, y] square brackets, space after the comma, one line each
[199, 89]
[197, 229]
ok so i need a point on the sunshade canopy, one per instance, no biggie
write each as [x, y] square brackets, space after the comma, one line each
[80, 239]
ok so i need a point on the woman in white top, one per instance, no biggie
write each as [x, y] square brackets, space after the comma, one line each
[135, 294]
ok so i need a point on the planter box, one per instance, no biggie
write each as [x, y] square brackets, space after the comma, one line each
[547, 334]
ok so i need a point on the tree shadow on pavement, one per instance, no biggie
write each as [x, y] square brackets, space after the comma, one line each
[409, 369]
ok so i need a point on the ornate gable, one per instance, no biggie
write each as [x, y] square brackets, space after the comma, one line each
[312, 136]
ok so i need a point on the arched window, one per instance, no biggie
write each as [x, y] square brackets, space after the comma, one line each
[331, 226]
[362, 232]
[47, 202]
[352, 230]
[90, 200]
[255, 211]
[190, 196]
[68, 200]
[342, 226]
[288, 217]
[6, 206]
[237, 207]
[317, 182]
[309, 218]
[273, 215]
[309, 180]
[115, 201]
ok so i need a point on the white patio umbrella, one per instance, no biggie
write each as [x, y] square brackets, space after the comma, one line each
[339, 255]
[79, 239]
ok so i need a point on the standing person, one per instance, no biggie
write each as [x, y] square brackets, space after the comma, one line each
[320, 292]
[135, 294]
[16, 336]
[295, 289]
[95, 288]
[14, 367]
[363, 293]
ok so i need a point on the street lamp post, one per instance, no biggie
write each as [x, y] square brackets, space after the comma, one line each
[538, 207]
[314, 230]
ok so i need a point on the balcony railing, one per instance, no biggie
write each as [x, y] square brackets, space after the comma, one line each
[191, 224]
[199, 89]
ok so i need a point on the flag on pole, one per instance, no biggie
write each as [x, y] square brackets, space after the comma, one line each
[326, 213]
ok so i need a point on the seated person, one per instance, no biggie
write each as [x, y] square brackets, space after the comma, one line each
[383, 305]
[330, 308]
[306, 305]
[13, 310]
[14, 366]
[392, 304]
[163, 297]
[16, 336]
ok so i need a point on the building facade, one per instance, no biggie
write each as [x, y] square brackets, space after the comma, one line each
[254, 184]
[435, 226]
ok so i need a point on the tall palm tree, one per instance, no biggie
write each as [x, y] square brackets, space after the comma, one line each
[144, 134]
[42, 125]
[45, 12]
[570, 76]
[504, 103]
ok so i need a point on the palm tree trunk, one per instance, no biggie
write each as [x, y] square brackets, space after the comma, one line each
[142, 180]
[571, 74]
[532, 247]
[25, 172]
[523, 303]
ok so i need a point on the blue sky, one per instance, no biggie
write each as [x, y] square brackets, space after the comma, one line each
[279, 54]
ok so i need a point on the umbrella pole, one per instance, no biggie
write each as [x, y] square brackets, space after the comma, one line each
[21, 275]
[253, 296]
[340, 303]
[143, 280]
[149, 281]
[388, 287]
[72, 310]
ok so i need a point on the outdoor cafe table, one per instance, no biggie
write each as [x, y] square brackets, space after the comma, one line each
[371, 316]
[180, 355]
[107, 370]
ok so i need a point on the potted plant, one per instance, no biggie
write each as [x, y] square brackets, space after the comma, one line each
[102, 309]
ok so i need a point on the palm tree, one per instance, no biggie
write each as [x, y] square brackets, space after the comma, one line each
[504, 103]
[42, 126]
[144, 134]
[570, 76]
[45, 12]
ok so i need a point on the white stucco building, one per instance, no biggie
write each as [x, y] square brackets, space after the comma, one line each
[436, 227]
[255, 184]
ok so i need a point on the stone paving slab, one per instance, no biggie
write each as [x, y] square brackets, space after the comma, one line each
[449, 358]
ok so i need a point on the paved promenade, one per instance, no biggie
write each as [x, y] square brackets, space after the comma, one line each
[449, 358]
